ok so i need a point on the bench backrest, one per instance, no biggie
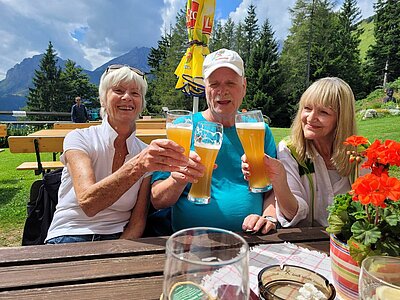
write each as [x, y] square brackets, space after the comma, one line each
[153, 125]
[3, 130]
[74, 125]
[26, 144]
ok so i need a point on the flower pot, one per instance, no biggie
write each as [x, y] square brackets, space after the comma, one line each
[345, 271]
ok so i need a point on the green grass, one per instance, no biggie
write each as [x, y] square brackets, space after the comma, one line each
[15, 185]
[367, 38]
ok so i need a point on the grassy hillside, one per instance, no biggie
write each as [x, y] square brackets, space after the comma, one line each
[367, 38]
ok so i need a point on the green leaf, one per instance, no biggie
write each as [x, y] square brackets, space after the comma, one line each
[365, 233]
[335, 224]
[390, 216]
[389, 246]
[358, 251]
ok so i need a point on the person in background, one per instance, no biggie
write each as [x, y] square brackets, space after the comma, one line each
[312, 165]
[79, 112]
[389, 96]
[232, 205]
[106, 184]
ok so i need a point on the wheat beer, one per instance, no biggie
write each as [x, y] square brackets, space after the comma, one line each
[202, 189]
[181, 134]
[251, 136]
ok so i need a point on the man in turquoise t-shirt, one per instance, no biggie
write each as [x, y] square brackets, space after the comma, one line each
[232, 205]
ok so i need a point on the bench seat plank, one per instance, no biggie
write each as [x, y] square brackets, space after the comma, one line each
[47, 165]
[3, 130]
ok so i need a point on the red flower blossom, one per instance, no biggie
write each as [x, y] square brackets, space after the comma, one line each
[373, 189]
[355, 141]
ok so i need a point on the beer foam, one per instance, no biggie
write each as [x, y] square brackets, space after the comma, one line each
[186, 126]
[208, 146]
[250, 125]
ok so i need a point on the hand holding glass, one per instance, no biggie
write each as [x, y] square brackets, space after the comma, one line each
[179, 128]
[207, 142]
[250, 128]
[206, 263]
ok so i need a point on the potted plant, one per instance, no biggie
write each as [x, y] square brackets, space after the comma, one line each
[366, 220]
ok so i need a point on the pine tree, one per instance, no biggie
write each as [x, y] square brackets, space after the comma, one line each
[76, 83]
[216, 40]
[348, 61]
[239, 40]
[228, 34]
[294, 53]
[250, 30]
[265, 80]
[386, 51]
[45, 94]
[311, 49]
[157, 55]
[162, 90]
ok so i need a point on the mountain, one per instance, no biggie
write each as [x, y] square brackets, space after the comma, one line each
[19, 78]
[15, 87]
[137, 58]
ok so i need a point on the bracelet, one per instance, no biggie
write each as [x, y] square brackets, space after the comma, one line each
[272, 220]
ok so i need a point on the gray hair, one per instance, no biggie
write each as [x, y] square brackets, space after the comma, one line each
[115, 77]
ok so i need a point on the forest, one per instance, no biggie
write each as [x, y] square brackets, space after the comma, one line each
[321, 42]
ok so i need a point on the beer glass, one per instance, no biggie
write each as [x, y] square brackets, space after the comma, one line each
[179, 128]
[250, 128]
[207, 142]
[206, 263]
[379, 278]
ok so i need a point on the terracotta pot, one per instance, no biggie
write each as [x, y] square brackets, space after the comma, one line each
[345, 271]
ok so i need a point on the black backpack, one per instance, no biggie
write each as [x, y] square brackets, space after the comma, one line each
[41, 208]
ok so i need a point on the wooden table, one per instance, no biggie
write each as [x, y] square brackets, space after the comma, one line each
[145, 134]
[119, 269]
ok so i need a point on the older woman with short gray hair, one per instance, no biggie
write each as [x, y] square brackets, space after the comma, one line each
[105, 183]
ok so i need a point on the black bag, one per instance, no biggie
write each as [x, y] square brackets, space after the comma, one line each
[41, 208]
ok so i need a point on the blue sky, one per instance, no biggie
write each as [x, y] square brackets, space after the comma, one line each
[91, 32]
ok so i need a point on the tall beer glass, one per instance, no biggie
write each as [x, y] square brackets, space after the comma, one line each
[179, 128]
[207, 142]
[250, 128]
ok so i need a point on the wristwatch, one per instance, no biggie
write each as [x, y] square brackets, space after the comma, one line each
[272, 220]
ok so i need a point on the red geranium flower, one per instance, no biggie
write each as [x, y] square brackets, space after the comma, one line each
[356, 140]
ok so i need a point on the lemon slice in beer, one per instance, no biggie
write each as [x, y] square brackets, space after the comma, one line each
[387, 293]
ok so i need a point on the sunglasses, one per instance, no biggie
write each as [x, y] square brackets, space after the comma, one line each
[111, 68]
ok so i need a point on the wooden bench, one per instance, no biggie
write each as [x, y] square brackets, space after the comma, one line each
[74, 125]
[141, 124]
[3, 130]
[37, 145]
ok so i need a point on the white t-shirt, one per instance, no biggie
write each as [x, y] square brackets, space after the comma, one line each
[324, 190]
[98, 143]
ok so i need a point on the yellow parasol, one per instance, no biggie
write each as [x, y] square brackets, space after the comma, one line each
[199, 22]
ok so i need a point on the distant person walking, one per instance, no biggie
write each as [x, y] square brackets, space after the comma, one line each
[79, 113]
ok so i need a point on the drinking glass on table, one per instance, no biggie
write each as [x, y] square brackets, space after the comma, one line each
[179, 126]
[250, 128]
[206, 263]
[207, 142]
[379, 278]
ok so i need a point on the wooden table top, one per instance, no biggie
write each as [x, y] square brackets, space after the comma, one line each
[119, 269]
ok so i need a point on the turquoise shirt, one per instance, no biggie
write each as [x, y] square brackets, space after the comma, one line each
[231, 201]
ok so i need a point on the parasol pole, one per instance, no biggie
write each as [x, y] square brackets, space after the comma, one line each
[195, 104]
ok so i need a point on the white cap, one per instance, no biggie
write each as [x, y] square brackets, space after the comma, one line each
[223, 58]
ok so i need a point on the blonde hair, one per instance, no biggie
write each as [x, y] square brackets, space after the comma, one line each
[336, 94]
[115, 77]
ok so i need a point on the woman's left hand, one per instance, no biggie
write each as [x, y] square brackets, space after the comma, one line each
[257, 223]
